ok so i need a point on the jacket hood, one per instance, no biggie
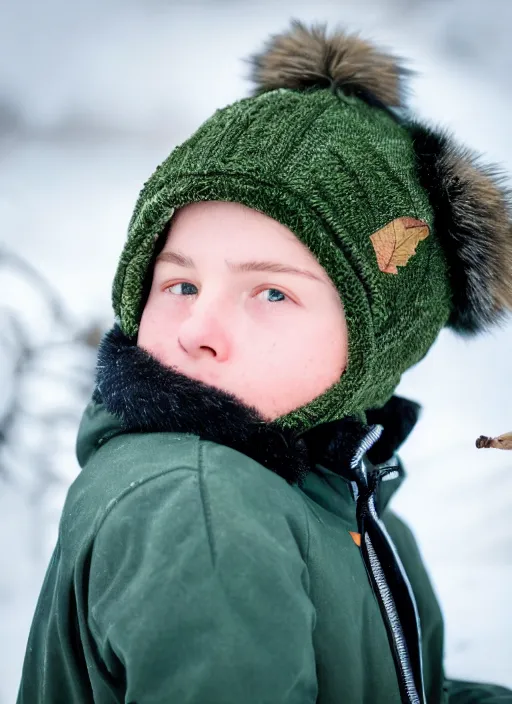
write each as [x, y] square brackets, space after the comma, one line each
[134, 392]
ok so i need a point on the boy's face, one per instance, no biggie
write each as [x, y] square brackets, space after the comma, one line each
[224, 309]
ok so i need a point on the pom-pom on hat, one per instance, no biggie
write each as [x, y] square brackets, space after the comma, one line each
[414, 232]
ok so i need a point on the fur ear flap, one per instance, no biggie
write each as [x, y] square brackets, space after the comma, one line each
[305, 58]
[473, 221]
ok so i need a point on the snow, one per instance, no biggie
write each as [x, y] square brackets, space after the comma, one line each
[99, 95]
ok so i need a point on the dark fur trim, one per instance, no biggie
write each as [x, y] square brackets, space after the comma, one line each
[398, 417]
[149, 397]
[474, 225]
[304, 58]
[338, 438]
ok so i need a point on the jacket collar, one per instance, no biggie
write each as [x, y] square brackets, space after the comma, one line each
[144, 396]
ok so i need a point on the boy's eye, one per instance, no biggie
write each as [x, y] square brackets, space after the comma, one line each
[187, 289]
[273, 295]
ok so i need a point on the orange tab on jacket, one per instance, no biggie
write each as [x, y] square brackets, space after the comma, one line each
[356, 537]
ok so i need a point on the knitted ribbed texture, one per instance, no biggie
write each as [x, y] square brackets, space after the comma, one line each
[334, 170]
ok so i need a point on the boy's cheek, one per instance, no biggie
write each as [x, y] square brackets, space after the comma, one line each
[156, 330]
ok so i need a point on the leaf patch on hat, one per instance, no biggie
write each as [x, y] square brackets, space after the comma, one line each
[396, 243]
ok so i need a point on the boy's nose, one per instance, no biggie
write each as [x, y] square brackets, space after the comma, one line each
[202, 336]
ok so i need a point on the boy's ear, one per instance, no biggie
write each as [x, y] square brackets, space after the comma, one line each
[472, 220]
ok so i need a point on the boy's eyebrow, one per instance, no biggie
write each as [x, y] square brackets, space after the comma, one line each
[175, 258]
[276, 267]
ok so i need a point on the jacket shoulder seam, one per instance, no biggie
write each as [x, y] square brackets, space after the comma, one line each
[132, 487]
[308, 533]
[203, 493]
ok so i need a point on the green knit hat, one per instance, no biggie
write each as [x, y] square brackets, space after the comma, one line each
[413, 232]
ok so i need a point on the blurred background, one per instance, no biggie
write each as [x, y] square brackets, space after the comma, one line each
[93, 95]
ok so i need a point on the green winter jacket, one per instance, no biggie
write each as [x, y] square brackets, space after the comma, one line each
[187, 571]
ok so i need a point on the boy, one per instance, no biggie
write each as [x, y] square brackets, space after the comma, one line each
[228, 539]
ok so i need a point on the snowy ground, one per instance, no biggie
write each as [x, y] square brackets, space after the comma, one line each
[94, 96]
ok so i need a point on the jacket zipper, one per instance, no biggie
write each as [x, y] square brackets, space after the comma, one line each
[388, 578]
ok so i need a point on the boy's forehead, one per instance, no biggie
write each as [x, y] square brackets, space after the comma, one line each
[238, 234]
[222, 211]
[230, 221]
